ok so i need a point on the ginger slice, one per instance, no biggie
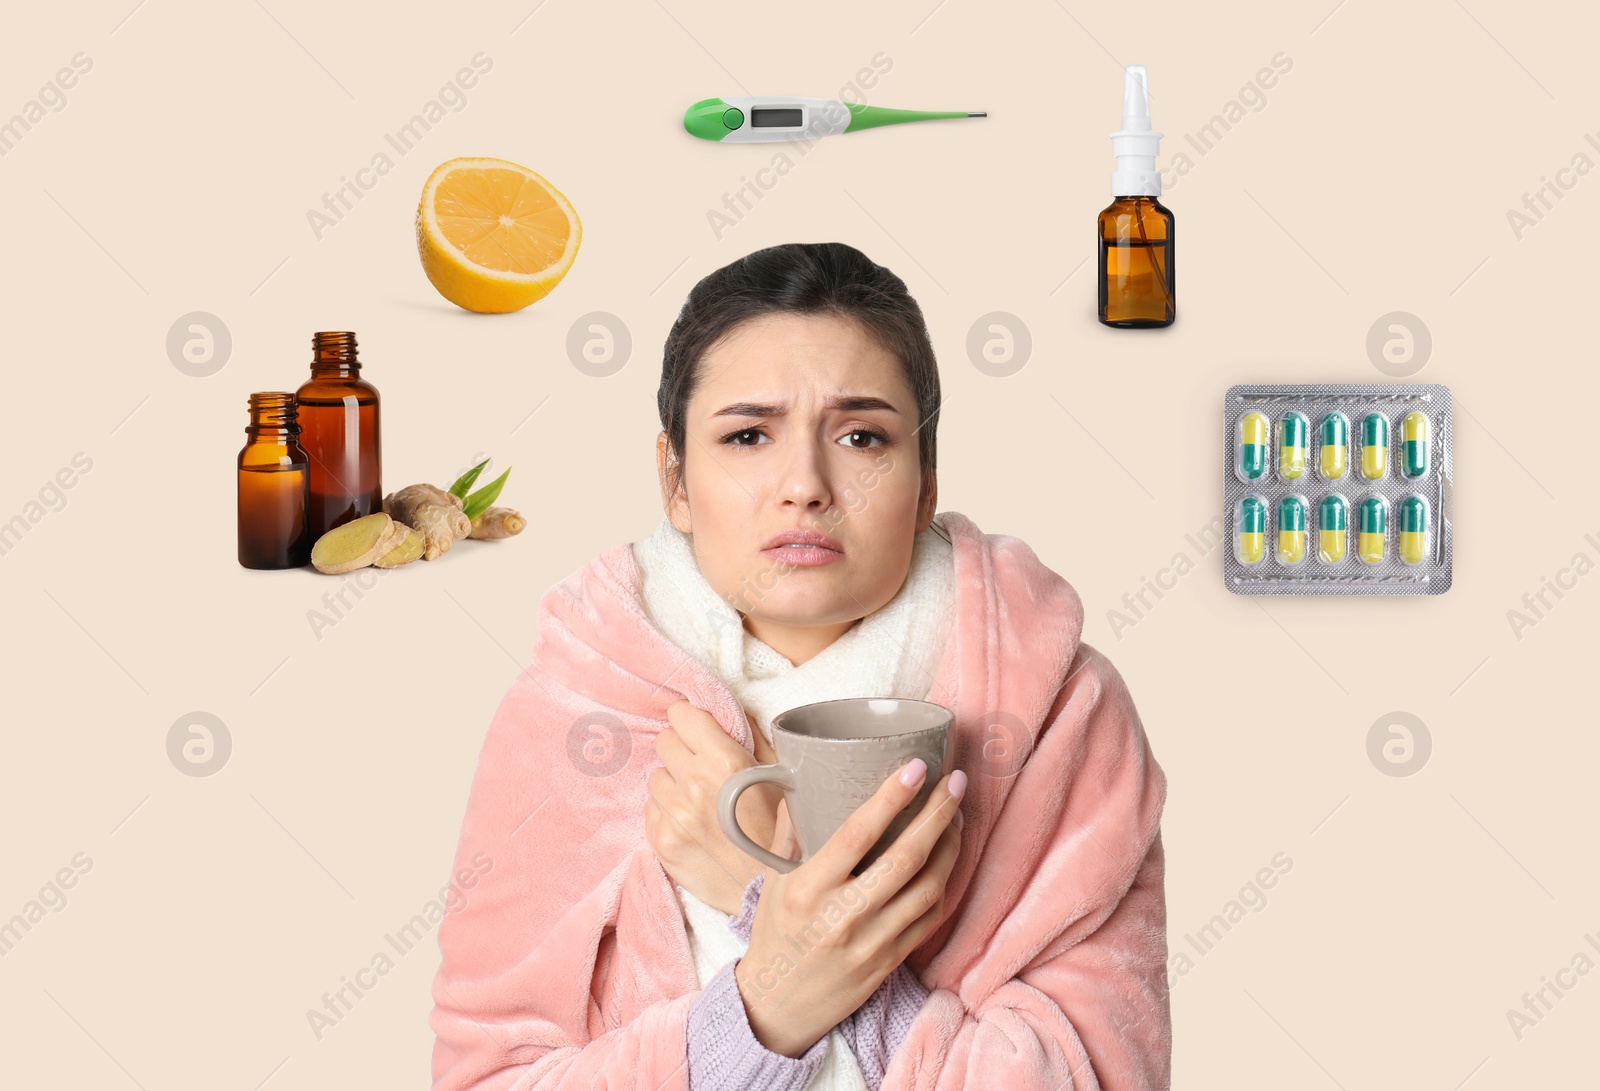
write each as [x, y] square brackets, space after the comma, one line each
[431, 512]
[409, 549]
[354, 545]
[398, 532]
[497, 523]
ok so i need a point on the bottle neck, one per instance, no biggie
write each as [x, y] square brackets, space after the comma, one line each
[274, 417]
[333, 355]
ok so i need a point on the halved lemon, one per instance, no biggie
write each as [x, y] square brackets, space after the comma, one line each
[494, 236]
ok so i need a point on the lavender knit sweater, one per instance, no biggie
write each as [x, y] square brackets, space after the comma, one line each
[725, 1055]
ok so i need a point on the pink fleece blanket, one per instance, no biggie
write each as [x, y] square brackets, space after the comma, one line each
[568, 965]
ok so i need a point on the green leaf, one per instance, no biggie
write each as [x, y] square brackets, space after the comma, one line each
[464, 482]
[480, 501]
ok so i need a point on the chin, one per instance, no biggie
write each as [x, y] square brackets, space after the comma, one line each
[800, 611]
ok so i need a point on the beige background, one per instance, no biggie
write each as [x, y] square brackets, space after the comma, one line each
[1376, 178]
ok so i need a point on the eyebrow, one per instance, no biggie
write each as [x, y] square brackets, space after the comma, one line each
[849, 402]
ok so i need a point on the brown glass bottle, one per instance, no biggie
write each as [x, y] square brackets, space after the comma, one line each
[273, 532]
[339, 430]
[1137, 285]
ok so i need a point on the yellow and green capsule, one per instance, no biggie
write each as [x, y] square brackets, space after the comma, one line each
[1253, 431]
[1291, 530]
[1250, 540]
[1374, 446]
[1414, 437]
[1334, 456]
[1292, 429]
[1374, 525]
[1332, 529]
[1413, 530]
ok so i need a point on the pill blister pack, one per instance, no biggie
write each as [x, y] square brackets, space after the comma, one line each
[1337, 489]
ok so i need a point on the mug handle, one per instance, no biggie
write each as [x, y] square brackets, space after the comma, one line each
[728, 815]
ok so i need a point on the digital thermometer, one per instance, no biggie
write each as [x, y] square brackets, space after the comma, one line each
[758, 119]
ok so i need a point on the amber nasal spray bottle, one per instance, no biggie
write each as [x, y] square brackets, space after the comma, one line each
[1136, 275]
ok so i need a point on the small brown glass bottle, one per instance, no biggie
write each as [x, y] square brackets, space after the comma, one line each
[273, 532]
[339, 430]
[1137, 285]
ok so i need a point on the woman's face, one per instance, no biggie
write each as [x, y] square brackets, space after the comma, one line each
[800, 423]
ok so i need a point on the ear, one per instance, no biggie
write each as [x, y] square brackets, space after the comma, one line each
[676, 504]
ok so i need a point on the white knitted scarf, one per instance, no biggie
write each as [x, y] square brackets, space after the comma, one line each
[894, 651]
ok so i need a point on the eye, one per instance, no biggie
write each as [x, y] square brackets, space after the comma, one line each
[870, 432]
[732, 438]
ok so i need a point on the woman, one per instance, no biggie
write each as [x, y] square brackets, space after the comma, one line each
[617, 939]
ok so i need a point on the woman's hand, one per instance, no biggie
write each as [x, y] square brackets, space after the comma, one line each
[681, 813]
[877, 919]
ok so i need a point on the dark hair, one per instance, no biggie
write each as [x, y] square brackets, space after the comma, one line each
[820, 278]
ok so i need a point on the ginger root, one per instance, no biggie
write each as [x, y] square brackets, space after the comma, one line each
[497, 523]
[418, 521]
[356, 544]
[431, 512]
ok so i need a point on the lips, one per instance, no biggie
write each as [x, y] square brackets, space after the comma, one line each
[797, 537]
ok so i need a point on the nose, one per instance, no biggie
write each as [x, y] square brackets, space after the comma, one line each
[805, 478]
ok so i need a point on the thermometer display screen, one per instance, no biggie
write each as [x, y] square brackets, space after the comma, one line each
[774, 118]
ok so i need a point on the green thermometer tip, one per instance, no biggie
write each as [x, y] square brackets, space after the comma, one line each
[870, 117]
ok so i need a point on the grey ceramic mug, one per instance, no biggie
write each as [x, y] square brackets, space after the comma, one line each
[832, 757]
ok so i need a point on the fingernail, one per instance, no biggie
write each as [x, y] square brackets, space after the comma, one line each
[911, 775]
[958, 821]
[958, 783]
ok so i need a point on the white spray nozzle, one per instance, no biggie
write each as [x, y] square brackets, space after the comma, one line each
[1135, 100]
[1136, 144]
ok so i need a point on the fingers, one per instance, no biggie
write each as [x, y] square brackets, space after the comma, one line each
[917, 910]
[656, 787]
[698, 728]
[688, 738]
[672, 750]
[941, 808]
[701, 733]
[844, 850]
[901, 873]
[686, 721]
[784, 843]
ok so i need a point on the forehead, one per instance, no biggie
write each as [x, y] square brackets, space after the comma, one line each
[788, 352]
